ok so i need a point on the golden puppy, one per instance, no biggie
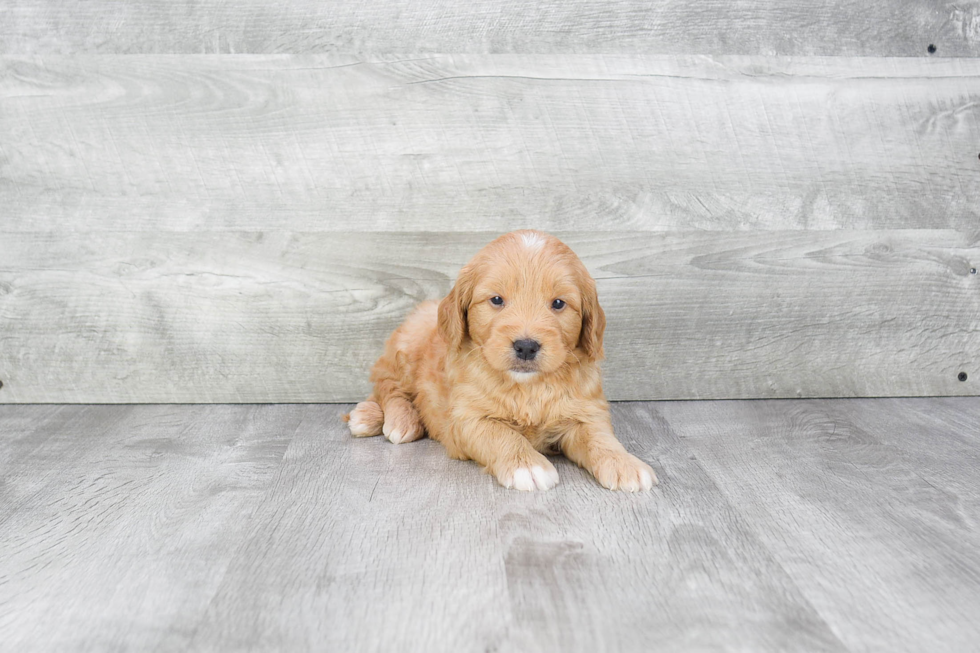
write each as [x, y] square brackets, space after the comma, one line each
[504, 369]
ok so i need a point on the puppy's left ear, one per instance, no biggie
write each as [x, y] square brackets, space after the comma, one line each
[452, 310]
[593, 321]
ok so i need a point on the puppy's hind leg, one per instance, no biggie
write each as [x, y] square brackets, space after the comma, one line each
[366, 419]
[401, 420]
[395, 372]
[398, 421]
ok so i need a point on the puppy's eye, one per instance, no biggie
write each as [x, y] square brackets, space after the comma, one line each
[497, 300]
[558, 304]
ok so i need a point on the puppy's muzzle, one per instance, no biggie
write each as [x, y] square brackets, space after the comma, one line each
[526, 349]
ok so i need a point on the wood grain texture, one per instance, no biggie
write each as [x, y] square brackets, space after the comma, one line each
[125, 518]
[447, 560]
[786, 27]
[642, 572]
[817, 489]
[364, 547]
[778, 525]
[300, 317]
[488, 143]
[909, 427]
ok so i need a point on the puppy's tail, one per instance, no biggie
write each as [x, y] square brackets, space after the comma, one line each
[367, 419]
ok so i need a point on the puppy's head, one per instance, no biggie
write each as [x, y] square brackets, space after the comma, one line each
[527, 304]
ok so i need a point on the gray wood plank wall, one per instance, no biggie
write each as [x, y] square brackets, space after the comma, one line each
[780, 27]
[773, 202]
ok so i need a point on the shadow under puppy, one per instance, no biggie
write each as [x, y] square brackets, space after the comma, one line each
[504, 369]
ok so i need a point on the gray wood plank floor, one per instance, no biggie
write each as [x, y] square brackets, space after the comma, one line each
[839, 525]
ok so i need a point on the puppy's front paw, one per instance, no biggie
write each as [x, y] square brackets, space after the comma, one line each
[537, 474]
[623, 471]
[402, 422]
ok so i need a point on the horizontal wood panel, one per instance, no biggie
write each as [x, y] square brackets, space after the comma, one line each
[488, 143]
[300, 317]
[784, 27]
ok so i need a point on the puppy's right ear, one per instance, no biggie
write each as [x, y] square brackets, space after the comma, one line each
[593, 320]
[452, 310]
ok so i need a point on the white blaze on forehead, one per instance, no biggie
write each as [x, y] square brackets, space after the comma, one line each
[532, 240]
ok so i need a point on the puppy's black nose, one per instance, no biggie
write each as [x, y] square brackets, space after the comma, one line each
[526, 349]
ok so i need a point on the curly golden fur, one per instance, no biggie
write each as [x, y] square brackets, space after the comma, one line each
[455, 370]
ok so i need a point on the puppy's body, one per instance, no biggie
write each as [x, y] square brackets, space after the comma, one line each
[502, 384]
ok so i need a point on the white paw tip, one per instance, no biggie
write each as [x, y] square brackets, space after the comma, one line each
[646, 479]
[534, 478]
[522, 480]
[544, 479]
